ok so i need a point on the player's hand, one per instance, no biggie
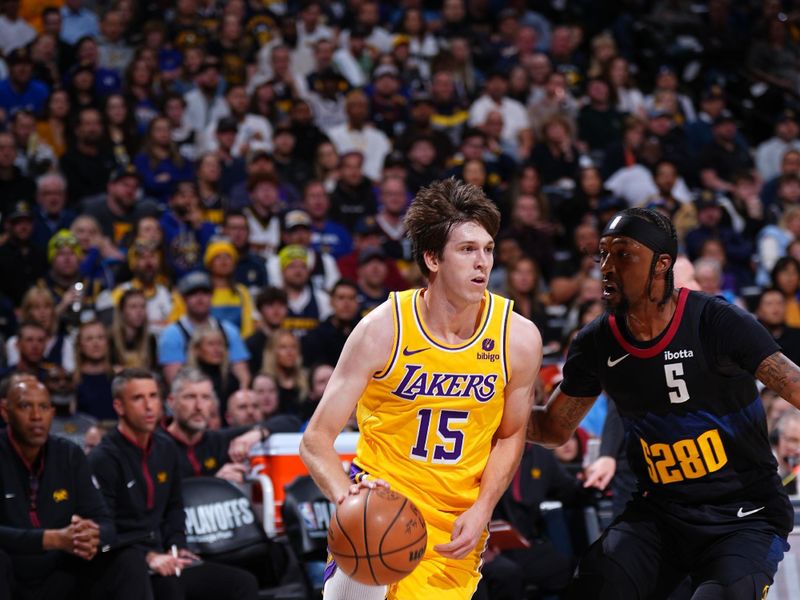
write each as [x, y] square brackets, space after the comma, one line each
[600, 472]
[366, 482]
[233, 472]
[467, 531]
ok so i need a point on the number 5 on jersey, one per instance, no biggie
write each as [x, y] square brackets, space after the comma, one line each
[450, 450]
[673, 373]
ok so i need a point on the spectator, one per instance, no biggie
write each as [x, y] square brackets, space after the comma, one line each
[326, 166]
[710, 224]
[31, 340]
[230, 301]
[421, 125]
[68, 423]
[787, 449]
[271, 304]
[422, 161]
[51, 212]
[50, 549]
[318, 376]
[555, 156]
[195, 288]
[160, 165]
[785, 277]
[78, 22]
[307, 304]
[326, 235]
[253, 132]
[699, 132]
[131, 452]
[292, 168]
[113, 50]
[322, 266]
[262, 215]
[372, 271]
[132, 344]
[38, 307]
[770, 153]
[120, 207]
[145, 263]
[388, 105]
[283, 360]
[353, 197]
[86, 163]
[266, 392]
[34, 156]
[771, 313]
[207, 353]
[186, 232]
[251, 269]
[209, 175]
[19, 254]
[204, 100]
[52, 128]
[243, 409]
[324, 343]
[93, 372]
[121, 129]
[358, 134]
[516, 131]
[724, 157]
[21, 90]
[15, 32]
[16, 186]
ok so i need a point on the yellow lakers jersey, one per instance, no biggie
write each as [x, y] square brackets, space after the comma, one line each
[427, 419]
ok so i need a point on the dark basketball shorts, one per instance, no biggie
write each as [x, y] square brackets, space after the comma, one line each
[648, 552]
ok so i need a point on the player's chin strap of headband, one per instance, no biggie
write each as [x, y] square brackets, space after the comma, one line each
[644, 232]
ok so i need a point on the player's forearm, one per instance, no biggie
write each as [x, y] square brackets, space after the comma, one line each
[781, 375]
[541, 429]
[324, 464]
[500, 467]
[552, 424]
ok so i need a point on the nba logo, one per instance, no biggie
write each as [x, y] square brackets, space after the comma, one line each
[488, 345]
[307, 512]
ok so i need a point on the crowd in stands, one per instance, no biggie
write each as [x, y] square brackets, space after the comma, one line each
[222, 184]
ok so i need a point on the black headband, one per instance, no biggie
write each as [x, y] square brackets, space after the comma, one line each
[644, 232]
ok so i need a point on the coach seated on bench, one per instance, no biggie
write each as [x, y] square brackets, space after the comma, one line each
[52, 518]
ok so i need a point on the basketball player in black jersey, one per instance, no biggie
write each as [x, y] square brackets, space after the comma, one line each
[680, 366]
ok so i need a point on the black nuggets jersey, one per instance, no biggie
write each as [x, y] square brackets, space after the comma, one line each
[695, 427]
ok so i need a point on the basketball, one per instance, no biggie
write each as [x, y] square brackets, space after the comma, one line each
[377, 537]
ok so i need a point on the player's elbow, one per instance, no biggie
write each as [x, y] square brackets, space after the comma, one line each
[311, 443]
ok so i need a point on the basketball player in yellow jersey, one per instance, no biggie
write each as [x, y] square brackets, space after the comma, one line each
[442, 381]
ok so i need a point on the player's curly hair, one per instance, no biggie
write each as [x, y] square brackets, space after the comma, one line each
[440, 206]
[659, 220]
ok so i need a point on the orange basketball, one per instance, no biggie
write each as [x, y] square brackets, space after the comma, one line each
[377, 537]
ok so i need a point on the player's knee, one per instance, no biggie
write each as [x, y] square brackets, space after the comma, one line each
[601, 578]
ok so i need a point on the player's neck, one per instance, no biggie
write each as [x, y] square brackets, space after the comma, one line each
[646, 320]
[448, 320]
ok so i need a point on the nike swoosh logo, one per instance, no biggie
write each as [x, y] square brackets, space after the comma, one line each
[747, 513]
[9, 496]
[614, 363]
[131, 483]
[407, 352]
